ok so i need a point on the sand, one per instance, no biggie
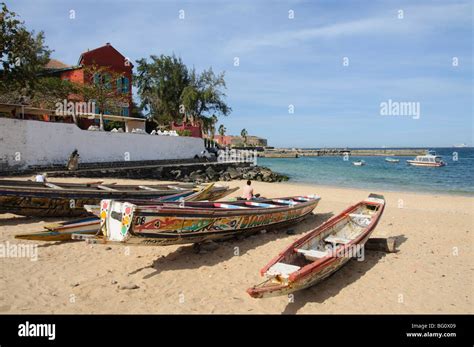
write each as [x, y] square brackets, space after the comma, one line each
[431, 273]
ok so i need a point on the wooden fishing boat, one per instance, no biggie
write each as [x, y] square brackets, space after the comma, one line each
[63, 231]
[219, 192]
[97, 185]
[392, 160]
[53, 200]
[322, 251]
[195, 222]
[90, 225]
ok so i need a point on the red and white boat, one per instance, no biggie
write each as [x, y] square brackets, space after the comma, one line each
[322, 251]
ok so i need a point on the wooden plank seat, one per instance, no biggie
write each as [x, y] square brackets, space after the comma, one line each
[312, 254]
[281, 269]
[358, 215]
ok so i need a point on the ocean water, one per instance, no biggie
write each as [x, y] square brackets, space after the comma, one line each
[454, 178]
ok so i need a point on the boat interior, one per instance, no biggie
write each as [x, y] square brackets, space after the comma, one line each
[242, 204]
[348, 228]
[95, 186]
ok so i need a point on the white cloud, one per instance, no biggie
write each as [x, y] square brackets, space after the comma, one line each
[416, 20]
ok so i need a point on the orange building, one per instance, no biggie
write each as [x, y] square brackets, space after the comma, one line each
[106, 56]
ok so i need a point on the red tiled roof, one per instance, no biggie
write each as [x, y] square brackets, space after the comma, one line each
[54, 64]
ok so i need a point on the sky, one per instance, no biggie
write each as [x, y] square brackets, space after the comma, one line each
[299, 73]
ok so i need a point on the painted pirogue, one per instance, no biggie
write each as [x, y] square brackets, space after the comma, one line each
[196, 222]
[68, 200]
[90, 225]
[322, 251]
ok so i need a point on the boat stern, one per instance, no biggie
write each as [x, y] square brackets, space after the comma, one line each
[116, 219]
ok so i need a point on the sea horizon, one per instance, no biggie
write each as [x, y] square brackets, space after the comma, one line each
[453, 179]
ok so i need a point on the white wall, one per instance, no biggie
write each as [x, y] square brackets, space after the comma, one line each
[45, 143]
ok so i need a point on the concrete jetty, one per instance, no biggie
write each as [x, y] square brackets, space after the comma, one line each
[296, 153]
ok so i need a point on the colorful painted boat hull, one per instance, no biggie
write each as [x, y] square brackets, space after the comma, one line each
[90, 226]
[126, 223]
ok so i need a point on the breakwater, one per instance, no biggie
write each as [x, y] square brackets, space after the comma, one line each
[296, 153]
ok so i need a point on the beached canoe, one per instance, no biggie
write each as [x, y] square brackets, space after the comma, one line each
[195, 222]
[66, 202]
[322, 251]
[90, 225]
[96, 185]
[63, 231]
[28, 198]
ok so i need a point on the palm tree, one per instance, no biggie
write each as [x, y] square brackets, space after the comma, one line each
[212, 127]
[222, 130]
[244, 135]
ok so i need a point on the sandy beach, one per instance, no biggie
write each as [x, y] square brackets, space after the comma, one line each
[431, 273]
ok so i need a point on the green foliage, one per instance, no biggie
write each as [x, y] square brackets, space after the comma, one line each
[222, 130]
[22, 54]
[184, 132]
[112, 124]
[244, 135]
[169, 91]
[50, 90]
[160, 84]
[102, 90]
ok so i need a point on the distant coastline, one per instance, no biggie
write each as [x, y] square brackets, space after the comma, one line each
[335, 171]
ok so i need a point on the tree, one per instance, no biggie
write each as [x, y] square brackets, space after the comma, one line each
[212, 127]
[50, 90]
[102, 88]
[23, 55]
[222, 130]
[203, 99]
[169, 91]
[244, 135]
[160, 84]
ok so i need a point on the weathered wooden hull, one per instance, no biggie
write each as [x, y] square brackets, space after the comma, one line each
[320, 269]
[90, 226]
[128, 224]
[40, 201]
[64, 203]
[64, 231]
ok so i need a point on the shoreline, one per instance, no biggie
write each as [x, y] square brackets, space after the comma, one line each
[429, 273]
[423, 192]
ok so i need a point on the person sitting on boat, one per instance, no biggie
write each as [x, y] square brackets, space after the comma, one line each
[248, 192]
[41, 177]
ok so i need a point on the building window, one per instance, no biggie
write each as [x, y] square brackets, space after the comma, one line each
[102, 79]
[123, 85]
[125, 111]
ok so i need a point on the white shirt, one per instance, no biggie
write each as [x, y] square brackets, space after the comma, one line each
[40, 178]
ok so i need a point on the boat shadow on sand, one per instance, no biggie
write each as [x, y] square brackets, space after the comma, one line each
[341, 279]
[185, 256]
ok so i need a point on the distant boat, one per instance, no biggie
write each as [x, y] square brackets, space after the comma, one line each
[462, 145]
[358, 163]
[391, 160]
[430, 159]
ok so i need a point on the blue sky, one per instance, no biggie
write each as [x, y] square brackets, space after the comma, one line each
[297, 61]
